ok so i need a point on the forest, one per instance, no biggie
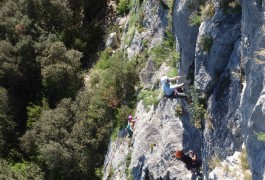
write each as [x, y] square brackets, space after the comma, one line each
[51, 125]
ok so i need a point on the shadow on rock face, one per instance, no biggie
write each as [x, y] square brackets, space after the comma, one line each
[137, 171]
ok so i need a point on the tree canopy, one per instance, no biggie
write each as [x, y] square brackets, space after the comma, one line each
[51, 126]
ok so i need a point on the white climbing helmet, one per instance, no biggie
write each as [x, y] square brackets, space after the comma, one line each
[164, 79]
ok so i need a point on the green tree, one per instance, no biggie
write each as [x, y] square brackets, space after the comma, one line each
[22, 171]
[51, 16]
[20, 74]
[60, 71]
[48, 140]
[67, 141]
[7, 124]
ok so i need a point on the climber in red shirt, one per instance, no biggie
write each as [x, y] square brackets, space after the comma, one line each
[190, 160]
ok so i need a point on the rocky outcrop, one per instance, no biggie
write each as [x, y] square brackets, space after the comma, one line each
[186, 35]
[229, 73]
[154, 21]
[112, 41]
[223, 110]
[252, 106]
[220, 33]
[115, 160]
[232, 168]
[168, 132]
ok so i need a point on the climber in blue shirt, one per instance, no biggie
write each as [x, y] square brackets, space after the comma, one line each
[130, 125]
[171, 90]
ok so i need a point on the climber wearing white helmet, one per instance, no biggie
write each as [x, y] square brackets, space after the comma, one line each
[169, 89]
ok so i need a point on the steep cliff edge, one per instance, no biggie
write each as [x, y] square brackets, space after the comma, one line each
[224, 58]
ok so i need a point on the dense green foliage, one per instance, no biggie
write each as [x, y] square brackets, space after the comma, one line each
[6, 124]
[124, 7]
[196, 109]
[261, 136]
[51, 125]
[23, 171]
[149, 97]
[206, 42]
[49, 128]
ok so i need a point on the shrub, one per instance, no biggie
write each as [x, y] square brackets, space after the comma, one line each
[230, 6]
[123, 7]
[174, 57]
[145, 42]
[172, 72]
[99, 172]
[261, 136]
[199, 12]
[179, 110]
[196, 109]
[129, 36]
[149, 97]
[206, 42]
[104, 60]
[167, 4]
[128, 159]
[158, 54]
[128, 162]
[195, 19]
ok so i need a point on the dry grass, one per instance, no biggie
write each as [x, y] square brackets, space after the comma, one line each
[261, 52]
[259, 56]
[227, 169]
[214, 162]
[208, 11]
[233, 4]
[179, 110]
[209, 122]
[244, 160]
[247, 175]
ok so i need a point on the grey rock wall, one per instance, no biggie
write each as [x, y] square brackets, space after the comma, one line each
[231, 75]
[224, 30]
[185, 35]
[224, 136]
[162, 127]
[154, 23]
[252, 106]
[241, 114]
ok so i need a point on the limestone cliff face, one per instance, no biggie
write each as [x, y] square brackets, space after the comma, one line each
[252, 107]
[229, 72]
